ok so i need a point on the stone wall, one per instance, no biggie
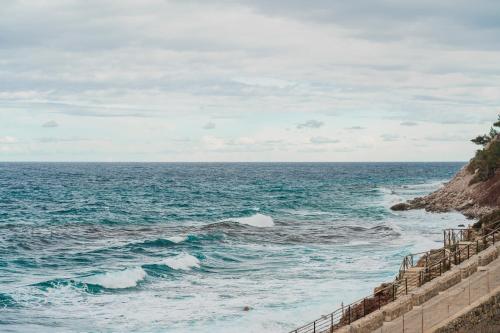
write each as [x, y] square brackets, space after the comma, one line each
[482, 316]
[464, 299]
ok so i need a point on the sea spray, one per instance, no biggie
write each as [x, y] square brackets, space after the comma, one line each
[183, 261]
[177, 239]
[127, 278]
[257, 220]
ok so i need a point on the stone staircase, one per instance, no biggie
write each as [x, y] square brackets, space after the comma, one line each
[411, 279]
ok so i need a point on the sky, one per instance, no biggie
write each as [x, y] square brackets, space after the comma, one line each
[261, 80]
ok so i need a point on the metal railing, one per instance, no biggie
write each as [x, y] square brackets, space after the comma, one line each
[432, 268]
[356, 310]
[461, 253]
[453, 236]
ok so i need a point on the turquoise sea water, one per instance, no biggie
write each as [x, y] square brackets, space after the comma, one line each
[185, 247]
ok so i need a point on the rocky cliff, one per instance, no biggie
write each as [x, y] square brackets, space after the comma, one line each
[473, 191]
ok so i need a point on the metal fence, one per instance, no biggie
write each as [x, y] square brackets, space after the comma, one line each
[435, 263]
[356, 310]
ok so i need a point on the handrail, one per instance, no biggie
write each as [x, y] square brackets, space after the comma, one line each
[354, 311]
[452, 236]
[380, 297]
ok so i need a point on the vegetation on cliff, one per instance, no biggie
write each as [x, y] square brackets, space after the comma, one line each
[487, 160]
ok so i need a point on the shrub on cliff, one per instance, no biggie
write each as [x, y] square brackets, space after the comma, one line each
[487, 160]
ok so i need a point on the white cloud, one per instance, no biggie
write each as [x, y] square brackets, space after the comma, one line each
[116, 69]
[50, 124]
[323, 140]
[409, 123]
[208, 126]
[390, 137]
[8, 140]
[310, 124]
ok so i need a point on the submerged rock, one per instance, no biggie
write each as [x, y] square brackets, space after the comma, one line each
[401, 206]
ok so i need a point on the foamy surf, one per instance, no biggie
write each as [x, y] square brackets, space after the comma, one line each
[183, 261]
[127, 278]
[256, 220]
[177, 239]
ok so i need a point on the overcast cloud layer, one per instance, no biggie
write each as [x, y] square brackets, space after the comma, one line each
[247, 80]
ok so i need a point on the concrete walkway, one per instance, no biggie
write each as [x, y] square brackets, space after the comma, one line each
[438, 301]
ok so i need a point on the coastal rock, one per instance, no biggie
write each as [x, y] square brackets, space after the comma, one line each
[401, 206]
[465, 193]
[473, 199]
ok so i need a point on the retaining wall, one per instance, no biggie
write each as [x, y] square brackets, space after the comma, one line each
[439, 300]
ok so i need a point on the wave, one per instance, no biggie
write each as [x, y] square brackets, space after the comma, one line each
[177, 239]
[61, 283]
[127, 278]
[256, 220]
[183, 261]
[432, 185]
[6, 301]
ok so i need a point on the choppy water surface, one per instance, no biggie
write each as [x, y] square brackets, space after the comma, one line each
[185, 247]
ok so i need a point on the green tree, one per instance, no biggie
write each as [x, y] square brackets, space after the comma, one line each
[481, 140]
[497, 123]
[487, 160]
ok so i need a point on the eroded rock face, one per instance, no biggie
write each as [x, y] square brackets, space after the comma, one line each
[460, 194]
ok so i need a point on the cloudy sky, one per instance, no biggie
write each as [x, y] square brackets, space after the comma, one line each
[260, 80]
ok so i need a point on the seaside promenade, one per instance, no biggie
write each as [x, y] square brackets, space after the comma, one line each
[452, 289]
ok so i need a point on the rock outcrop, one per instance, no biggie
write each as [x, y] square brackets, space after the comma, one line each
[464, 193]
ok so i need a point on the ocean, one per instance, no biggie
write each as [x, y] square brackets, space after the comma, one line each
[185, 247]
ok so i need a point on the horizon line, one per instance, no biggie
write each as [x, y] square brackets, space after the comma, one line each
[228, 162]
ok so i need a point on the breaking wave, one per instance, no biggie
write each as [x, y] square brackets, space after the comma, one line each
[256, 220]
[177, 239]
[127, 278]
[183, 261]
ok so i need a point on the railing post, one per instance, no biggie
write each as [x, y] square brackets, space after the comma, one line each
[393, 291]
[468, 254]
[406, 286]
[440, 268]
[349, 309]
[364, 307]
[331, 321]
[444, 237]
[314, 324]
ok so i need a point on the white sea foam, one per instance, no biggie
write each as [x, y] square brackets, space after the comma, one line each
[256, 220]
[183, 261]
[397, 194]
[119, 279]
[177, 239]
